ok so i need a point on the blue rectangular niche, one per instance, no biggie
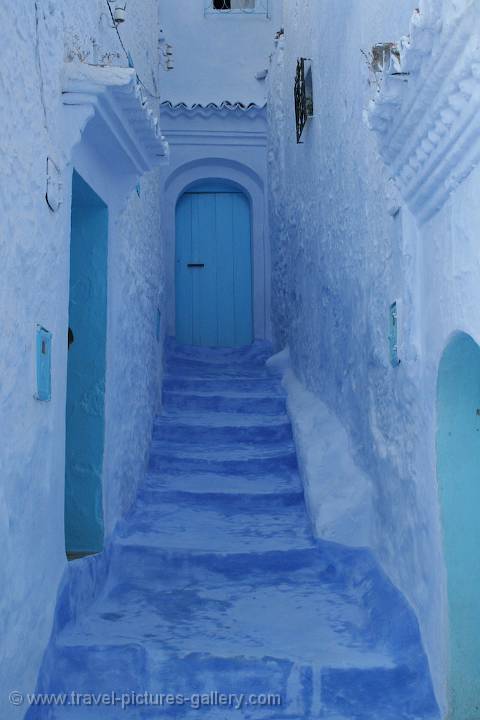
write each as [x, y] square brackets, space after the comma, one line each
[393, 335]
[158, 329]
[44, 364]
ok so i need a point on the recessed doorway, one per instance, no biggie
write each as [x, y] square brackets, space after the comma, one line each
[213, 267]
[85, 408]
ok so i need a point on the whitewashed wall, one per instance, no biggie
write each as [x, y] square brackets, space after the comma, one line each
[340, 257]
[216, 57]
[36, 38]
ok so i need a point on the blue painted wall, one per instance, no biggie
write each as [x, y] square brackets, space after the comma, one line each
[214, 302]
[458, 448]
[86, 371]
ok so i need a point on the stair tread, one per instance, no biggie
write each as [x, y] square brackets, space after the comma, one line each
[217, 527]
[198, 481]
[223, 451]
[213, 392]
[223, 420]
[297, 613]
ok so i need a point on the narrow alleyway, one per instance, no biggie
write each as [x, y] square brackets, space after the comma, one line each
[214, 583]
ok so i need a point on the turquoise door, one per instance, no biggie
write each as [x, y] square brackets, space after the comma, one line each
[213, 269]
[86, 371]
[458, 468]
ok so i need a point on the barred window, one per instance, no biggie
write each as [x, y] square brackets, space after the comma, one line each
[235, 7]
[234, 4]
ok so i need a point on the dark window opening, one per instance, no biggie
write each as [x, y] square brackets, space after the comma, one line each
[235, 5]
[303, 95]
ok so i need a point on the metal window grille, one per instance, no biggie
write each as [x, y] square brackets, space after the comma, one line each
[303, 95]
[236, 7]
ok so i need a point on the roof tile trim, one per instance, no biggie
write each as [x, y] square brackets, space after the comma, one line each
[212, 108]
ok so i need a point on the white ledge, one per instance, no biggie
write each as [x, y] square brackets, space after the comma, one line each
[117, 115]
[428, 119]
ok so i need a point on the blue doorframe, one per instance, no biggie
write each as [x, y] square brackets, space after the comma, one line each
[458, 469]
[213, 267]
[86, 371]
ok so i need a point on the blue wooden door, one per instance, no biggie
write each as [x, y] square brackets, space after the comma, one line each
[213, 269]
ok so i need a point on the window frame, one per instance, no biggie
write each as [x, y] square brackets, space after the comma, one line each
[261, 9]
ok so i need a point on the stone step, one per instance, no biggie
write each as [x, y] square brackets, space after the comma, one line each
[221, 419]
[218, 384]
[223, 449]
[255, 354]
[229, 403]
[403, 692]
[197, 481]
[312, 606]
[195, 367]
[327, 569]
[181, 688]
[313, 626]
[99, 670]
[214, 523]
[166, 460]
[228, 433]
[239, 502]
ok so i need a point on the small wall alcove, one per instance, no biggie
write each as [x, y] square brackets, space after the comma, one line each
[458, 470]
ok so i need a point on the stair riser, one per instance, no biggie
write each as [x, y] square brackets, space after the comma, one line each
[197, 482]
[250, 676]
[156, 495]
[162, 462]
[219, 385]
[171, 569]
[225, 435]
[217, 403]
[223, 502]
[196, 369]
[97, 671]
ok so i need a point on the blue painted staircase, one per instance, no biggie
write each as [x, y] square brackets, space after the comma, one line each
[213, 585]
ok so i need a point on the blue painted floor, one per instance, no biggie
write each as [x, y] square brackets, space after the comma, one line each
[214, 583]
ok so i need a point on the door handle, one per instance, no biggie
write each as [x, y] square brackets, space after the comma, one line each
[196, 265]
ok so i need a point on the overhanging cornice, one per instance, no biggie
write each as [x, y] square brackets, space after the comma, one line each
[115, 109]
[427, 119]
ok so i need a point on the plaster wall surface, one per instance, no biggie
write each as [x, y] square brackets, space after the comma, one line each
[344, 247]
[37, 37]
[216, 56]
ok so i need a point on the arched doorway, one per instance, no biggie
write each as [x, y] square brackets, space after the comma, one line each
[213, 266]
[458, 470]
